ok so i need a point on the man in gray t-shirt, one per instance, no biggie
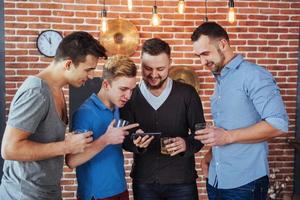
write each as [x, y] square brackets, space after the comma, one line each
[34, 142]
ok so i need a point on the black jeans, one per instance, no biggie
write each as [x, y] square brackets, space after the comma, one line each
[156, 191]
[255, 190]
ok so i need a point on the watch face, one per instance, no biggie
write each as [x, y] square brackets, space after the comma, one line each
[48, 41]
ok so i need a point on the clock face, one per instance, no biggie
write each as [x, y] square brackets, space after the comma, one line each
[48, 41]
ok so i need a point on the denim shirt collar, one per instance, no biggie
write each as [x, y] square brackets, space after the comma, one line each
[231, 65]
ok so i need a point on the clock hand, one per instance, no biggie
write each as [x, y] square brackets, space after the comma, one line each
[50, 41]
[47, 39]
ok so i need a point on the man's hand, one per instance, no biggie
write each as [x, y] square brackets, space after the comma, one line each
[176, 146]
[142, 141]
[116, 135]
[76, 143]
[213, 136]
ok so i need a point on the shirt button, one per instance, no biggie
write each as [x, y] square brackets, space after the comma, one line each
[219, 97]
[217, 163]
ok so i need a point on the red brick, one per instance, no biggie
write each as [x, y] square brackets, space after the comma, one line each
[9, 18]
[51, 19]
[39, 26]
[269, 11]
[290, 12]
[63, 13]
[283, 18]
[258, 17]
[16, 25]
[269, 23]
[51, 5]
[63, 26]
[290, 36]
[39, 12]
[15, 12]
[268, 36]
[289, 24]
[74, 7]
[257, 42]
[246, 48]
[259, 4]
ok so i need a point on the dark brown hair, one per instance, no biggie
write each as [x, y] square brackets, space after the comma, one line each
[77, 45]
[156, 46]
[210, 29]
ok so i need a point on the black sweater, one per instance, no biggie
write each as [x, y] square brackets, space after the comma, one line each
[174, 118]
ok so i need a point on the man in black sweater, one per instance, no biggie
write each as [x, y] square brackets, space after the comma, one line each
[160, 104]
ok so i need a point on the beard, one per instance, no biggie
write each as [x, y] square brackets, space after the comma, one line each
[219, 66]
[155, 87]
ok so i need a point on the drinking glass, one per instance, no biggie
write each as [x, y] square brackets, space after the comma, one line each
[203, 125]
[164, 141]
[120, 123]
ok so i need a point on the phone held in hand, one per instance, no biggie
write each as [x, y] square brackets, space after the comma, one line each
[136, 135]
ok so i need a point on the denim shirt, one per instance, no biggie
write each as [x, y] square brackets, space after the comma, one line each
[244, 95]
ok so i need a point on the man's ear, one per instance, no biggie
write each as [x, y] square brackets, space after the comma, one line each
[105, 84]
[223, 44]
[67, 64]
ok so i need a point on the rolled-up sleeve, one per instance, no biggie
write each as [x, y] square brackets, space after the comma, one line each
[267, 100]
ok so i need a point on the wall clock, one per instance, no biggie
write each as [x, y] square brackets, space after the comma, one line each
[48, 41]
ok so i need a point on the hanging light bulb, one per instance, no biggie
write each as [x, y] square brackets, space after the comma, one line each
[181, 6]
[155, 20]
[104, 20]
[231, 12]
[130, 5]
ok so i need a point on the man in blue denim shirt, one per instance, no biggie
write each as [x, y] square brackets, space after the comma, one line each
[247, 110]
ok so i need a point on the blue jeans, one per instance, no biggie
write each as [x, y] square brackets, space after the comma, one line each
[255, 190]
[156, 191]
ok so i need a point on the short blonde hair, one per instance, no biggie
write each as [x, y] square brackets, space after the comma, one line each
[119, 65]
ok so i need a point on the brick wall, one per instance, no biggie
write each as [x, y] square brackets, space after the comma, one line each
[266, 32]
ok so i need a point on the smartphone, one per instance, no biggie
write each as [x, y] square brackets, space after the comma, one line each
[136, 135]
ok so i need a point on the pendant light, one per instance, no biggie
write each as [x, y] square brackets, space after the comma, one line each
[129, 5]
[181, 6]
[104, 19]
[231, 11]
[155, 20]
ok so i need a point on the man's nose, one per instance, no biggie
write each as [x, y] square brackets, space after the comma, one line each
[128, 94]
[154, 73]
[203, 61]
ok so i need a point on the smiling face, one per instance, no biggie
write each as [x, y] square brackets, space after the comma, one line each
[78, 75]
[210, 53]
[155, 69]
[119, 90]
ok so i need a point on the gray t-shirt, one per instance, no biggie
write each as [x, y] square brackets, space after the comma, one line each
[33, 110]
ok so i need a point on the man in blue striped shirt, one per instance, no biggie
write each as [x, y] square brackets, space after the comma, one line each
[247, 110]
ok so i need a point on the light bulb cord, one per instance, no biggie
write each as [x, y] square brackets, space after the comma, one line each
[206, 17]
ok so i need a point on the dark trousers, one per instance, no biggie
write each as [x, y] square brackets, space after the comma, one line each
[255, 190]
[156, 191]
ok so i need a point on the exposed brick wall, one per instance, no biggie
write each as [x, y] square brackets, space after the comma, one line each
[266, 32]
